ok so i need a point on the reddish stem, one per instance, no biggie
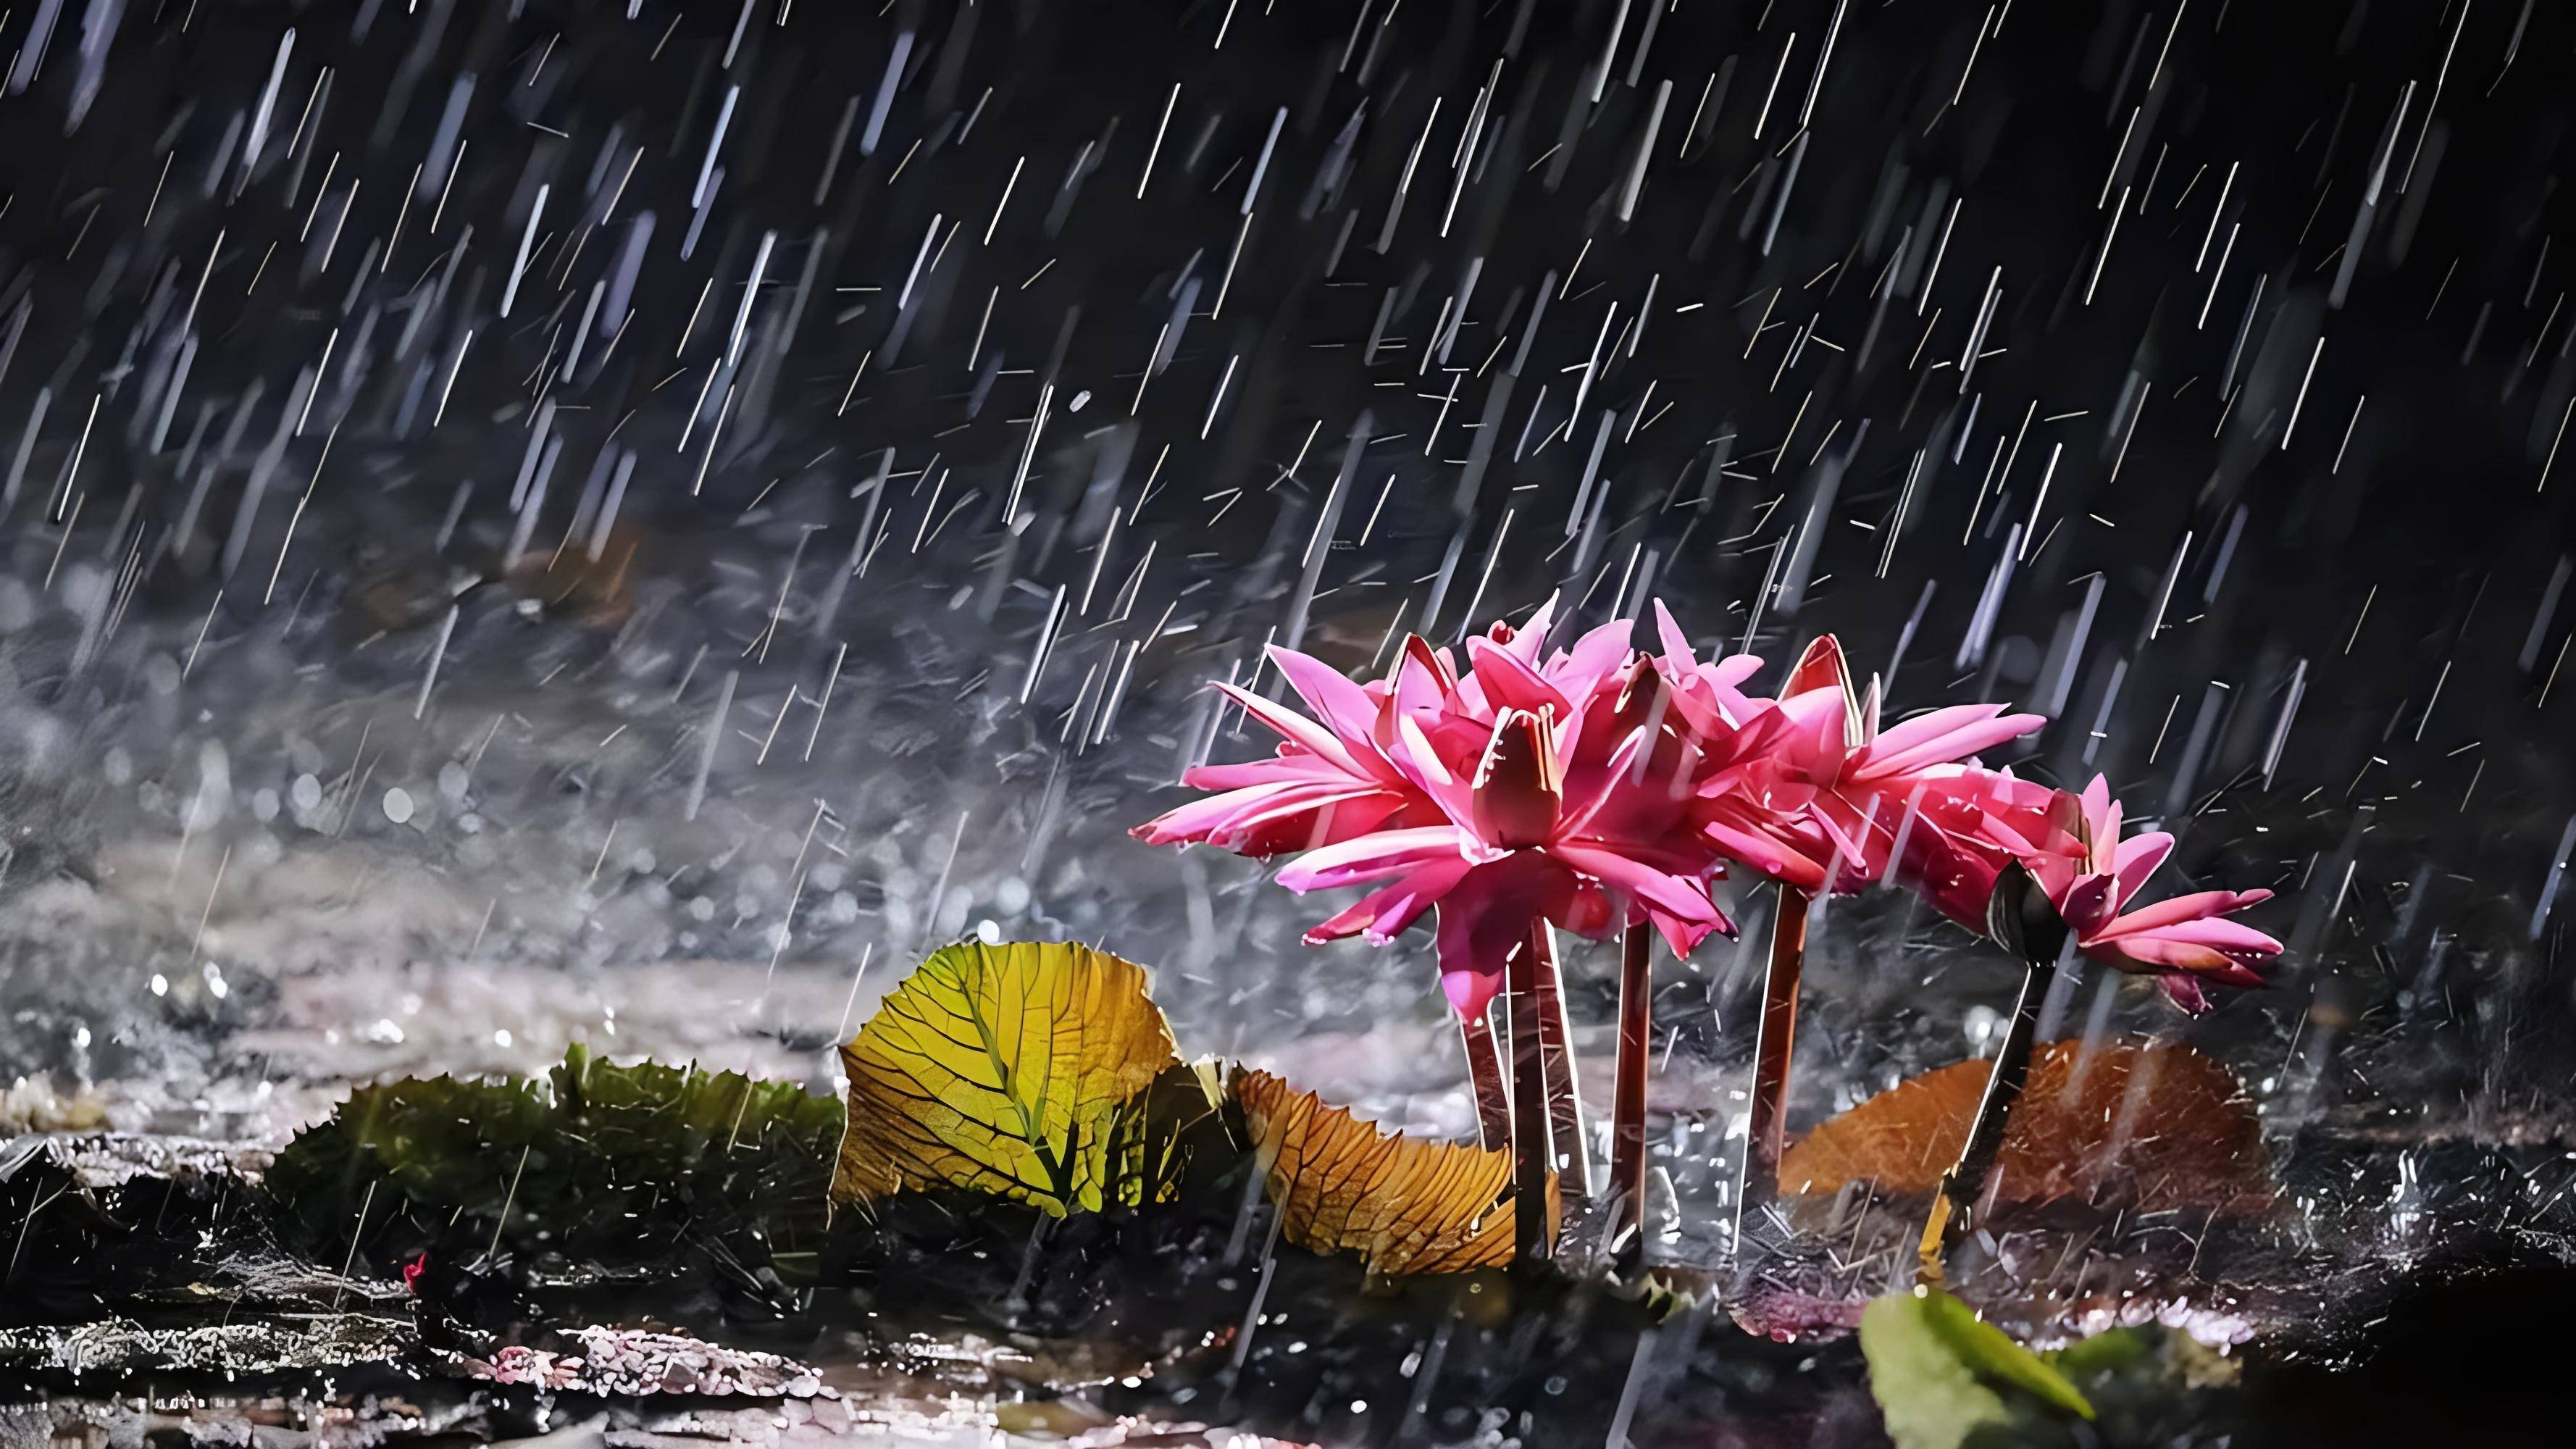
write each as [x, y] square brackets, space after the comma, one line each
[1628, 1107]
[1572, 1158]
[1766, 1129]
[1485, 1075]
[1532, 1150]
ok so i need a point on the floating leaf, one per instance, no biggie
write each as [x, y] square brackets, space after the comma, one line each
[1944, 1377]
[1403, 1205]
[2151, 1127]
[611, 1163]
[1010, 1070]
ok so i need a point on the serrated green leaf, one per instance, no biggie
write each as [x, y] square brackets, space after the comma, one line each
[1008, 1070]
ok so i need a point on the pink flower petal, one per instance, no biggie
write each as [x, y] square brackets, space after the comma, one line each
[1527, 642]
[1510, 683]
[1297, 769]
[2185, 991]
[1375, 857]
[1314, 816]
[1682, 899]
[2097, 798]
[2159, 951]
[2235, 938]
[1383, 914]
[1420, 761]
[1194, 822]
[1518, 790]
[2088, 903]
[1488, 914]
[1684, 936]
[1423, 677]
[1848, 870]
[1763, 854]
[1941, 737]
[1600, 653]
[2136, 858]
[1293, 727]
[1607, 782]
[1677, 645]
[1342, 705]
[1198, 820]
[2198, 906]
[1820, 668]
[1734, 669]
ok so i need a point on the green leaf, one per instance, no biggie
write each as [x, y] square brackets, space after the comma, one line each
[1942, 1376]
[2109, 1352]
[1011, 1070]
[600, 1163]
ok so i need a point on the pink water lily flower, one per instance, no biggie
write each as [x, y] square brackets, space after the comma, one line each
[1824, 806]
[1532, 786]
[2071, 845]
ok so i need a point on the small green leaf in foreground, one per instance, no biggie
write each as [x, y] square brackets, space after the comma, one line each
[1941, 1375]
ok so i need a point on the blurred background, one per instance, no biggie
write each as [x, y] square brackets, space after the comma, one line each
[632, 522]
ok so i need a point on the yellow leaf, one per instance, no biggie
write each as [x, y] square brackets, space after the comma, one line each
[1404, 1205]
[1008, 1070]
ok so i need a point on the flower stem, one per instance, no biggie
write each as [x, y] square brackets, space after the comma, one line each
[1532, 1150]
[1955, 1209]
[1572, 1158]
[1766, 1128]
[1485, 1075]
[1628, 1106]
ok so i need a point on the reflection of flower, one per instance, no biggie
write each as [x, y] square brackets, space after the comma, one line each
[1533, 786]
[2072, 847]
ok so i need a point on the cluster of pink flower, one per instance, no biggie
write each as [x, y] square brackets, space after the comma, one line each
[1598, 786]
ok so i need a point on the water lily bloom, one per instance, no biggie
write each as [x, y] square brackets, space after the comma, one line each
[1532, 786]
[1978, 822]
[1825, 804]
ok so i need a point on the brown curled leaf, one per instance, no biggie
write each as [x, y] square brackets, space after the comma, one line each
[1406, 1206]
[2151, 1127]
